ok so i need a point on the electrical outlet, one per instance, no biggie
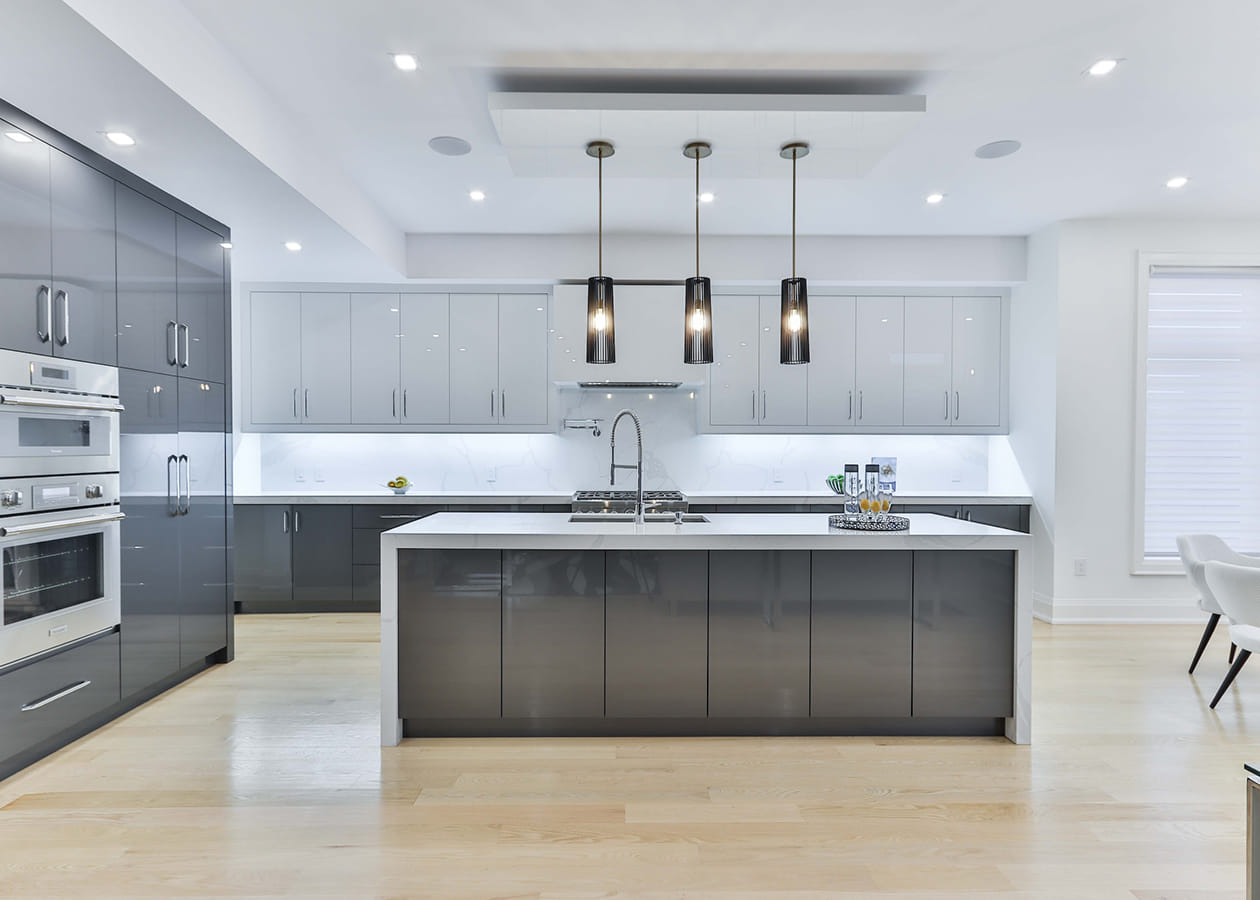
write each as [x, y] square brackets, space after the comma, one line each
[492, 474]
[776, 476]
[319, 474]
[299, 475]
[1080, 567]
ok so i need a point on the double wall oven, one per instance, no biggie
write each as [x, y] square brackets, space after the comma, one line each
[59, 503]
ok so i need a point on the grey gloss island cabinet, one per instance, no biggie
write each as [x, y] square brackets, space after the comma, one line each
[704, 642]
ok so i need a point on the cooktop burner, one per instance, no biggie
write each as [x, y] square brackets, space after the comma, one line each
[623, 501]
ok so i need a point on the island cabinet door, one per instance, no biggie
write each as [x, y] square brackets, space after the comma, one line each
[553, 634]
[758, 633]
[656, 633]
[449, 634]
[861, 632]
[964, 633]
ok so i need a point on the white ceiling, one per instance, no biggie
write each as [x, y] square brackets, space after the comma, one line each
[307, 91]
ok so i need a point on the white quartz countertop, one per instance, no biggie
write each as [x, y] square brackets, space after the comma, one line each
[699, 498]
[723, 531]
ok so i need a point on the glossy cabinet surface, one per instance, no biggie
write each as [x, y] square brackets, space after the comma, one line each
[759, 633]
[783, 387]
[832, 400]
[964, 617]
[147, 270]
[297, 558]
[322, 559]
[203, 595]
[474, 366]
[84, 285]
[880, 346]
[734, 379]
[977, 361]
[656, 633]
[927, 398]
[325, 350]
[275, 357]
[425, 391]
[861, 633]
[26, 251]
[450, 633]
[523, 378]
[202, 298]
[375, 342]
[264, 558]
[553, 634]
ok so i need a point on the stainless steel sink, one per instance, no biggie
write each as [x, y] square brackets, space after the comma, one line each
[654, 518]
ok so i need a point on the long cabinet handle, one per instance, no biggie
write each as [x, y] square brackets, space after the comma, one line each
[850, 406]
[404, 403]
[43, 311]
[55, 695]
[187, 345]
[492, 404]
[172, 511]
[297, 521]
[861, 407]
[393, 404]
[754, 399]
[306, 403]
[187, 503]
[763, 406]
[172, 343]
[63, 297]
[947, 406]
[503, 404]
[957, 411]
[295, 414]
[54, 403]
[16, 530]
[284, 521]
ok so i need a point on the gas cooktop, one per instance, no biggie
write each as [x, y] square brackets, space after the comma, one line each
[623, 501]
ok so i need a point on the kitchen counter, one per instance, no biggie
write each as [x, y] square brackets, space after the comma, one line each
[526, 623]
[540, 498]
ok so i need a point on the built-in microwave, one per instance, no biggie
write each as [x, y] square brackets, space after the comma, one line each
[57, 417]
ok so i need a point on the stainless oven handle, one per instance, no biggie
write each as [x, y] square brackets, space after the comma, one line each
[64, 692]
[19, 530]
[51, 403]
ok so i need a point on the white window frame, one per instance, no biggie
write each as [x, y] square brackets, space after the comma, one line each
[1140, 563]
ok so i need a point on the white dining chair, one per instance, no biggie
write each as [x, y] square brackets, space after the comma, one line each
[1237, 590]
[1195, 550]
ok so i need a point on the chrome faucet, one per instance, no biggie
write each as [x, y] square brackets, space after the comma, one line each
[613, 465]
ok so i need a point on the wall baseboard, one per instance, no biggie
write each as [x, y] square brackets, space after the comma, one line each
[1116, 611]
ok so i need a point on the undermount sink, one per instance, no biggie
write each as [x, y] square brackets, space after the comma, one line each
[655, 518]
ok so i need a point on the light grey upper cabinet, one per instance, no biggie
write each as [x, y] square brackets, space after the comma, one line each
[953, 369]
[783, 388]
[325, 395]
[147, 318]
[26, 250]
[880, 347]
[977, 369]
[926, 398]
[734, 381]
[374, 359]
[201, 289]
[523, 384]
[84, 280]
[275, 357]
[474, 348]
[832, 400]
[498, 359]
[426, 372]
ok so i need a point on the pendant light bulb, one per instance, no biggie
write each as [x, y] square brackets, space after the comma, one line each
[698, 294]
[601, 346]
[794, 302]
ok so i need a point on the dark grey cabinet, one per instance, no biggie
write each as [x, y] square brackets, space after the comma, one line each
[370, 521]
[263, 558]
[201, 299]
[84, 284]
[964, 622]
[656, 633]
[55, 696]
[759, 633]
[322, 559]
[553, 634]
[861, 633]
[294, 559]
[203, 444]
[450, 634]
[148, 331]
[26, 250]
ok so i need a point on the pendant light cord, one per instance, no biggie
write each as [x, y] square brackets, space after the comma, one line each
[697, 215]
[601, 215]
[793, 215]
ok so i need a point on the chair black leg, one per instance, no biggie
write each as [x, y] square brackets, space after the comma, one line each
[1229, 678]
[1207, 635]
[1233, 648]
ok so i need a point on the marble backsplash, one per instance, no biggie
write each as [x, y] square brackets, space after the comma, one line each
[675, 455]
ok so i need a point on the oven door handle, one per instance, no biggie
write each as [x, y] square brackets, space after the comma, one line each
[19, 530]
[52, 403]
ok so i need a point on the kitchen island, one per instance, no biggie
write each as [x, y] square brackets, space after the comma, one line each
[528, 623]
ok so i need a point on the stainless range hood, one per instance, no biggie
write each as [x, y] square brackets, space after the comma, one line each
[622, 385]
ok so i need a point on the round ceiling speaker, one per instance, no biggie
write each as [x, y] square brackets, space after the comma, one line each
[449, 146]
[997, 149]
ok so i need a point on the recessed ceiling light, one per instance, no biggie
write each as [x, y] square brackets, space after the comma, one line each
[292, 245]
[706, 197]
[476, 196]
[1103, 67]
[406, 62]
[1178, 181]
[934, 198]
[997, 149]
[448, 145]
[121, 138]
[226, 245]
[20, 136]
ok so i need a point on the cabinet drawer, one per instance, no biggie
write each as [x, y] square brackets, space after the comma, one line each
[383, 516]
[42, 699]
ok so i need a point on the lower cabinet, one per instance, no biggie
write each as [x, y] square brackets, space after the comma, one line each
[294, 559]
[55, 695]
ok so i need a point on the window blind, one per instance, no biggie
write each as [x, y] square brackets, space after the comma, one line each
[1202, 408]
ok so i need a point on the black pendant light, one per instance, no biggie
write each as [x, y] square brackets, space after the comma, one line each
[601, 346]
[697, 316]
[794, 305]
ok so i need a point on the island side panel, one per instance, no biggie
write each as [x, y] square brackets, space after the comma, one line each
[391, 722]
[861, 625]
[759, 634]
[1019, 726]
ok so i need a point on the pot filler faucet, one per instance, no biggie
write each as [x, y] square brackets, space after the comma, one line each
[613, 465]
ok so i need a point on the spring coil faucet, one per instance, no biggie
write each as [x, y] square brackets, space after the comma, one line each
[613, 465]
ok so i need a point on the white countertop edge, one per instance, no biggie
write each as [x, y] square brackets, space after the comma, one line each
[700, 498]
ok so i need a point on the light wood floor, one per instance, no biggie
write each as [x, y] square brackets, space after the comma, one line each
[264, 779]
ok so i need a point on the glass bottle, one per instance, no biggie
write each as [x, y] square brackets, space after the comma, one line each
[852, 488]
[869, 501]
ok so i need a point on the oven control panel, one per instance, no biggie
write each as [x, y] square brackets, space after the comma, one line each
[24, 496]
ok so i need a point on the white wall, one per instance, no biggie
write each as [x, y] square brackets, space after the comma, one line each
[1034, 329]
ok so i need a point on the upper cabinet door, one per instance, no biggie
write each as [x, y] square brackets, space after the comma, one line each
[927, 399]
[783, 388]
[25, 252]
[374, 349]
[426, 359]
[880, 346]
[147, 318]
[474, 348]
[275, 358]
[523, 381]
[734, 383]
[85, 298]
[977, 361]
[325, 397]
[202, 303]
[832, 345]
